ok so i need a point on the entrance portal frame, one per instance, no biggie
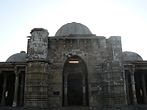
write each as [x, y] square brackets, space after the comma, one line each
[72, 66]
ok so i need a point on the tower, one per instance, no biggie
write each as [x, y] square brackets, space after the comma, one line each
[36, 73]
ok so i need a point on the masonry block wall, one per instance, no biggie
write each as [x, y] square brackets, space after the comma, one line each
[92, 50]
[105, 76]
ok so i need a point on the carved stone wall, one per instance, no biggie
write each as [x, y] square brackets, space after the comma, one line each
[93, 50]
[36, 93]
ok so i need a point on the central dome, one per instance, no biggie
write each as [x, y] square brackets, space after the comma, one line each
[73, 28]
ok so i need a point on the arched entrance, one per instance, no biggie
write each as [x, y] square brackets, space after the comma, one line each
[75, 82]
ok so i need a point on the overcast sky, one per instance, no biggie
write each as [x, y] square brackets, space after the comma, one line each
[125, 18]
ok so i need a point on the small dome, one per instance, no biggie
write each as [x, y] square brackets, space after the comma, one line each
[73, 28]
[18, 57]
[131, 56]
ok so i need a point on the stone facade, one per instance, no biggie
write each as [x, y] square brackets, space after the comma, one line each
[100, 69]
[71, 71]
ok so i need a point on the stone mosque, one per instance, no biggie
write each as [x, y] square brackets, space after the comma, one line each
[75, 69]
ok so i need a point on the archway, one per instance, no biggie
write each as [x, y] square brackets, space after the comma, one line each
[75, 82]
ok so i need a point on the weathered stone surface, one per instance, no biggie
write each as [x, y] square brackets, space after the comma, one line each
[38, 43]
[74, 70]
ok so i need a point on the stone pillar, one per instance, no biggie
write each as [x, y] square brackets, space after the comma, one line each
[22, 89]
[16, 89]
[133, 86]
[144, 88]
[84, 92]
[3, 101]
[65, 91]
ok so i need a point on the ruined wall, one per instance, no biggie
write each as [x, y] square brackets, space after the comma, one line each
[38, 44]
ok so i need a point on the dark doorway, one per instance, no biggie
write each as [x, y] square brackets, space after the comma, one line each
[10, 89]
[74, 89]
[7, 85]
[141, 86]
[1, 86]
[75, 82]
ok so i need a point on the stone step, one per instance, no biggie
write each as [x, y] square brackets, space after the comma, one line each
[11, 108]
[75, 108]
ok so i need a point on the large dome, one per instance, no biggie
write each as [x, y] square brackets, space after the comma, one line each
[131, 56]
[73, 28]
[18, 57]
